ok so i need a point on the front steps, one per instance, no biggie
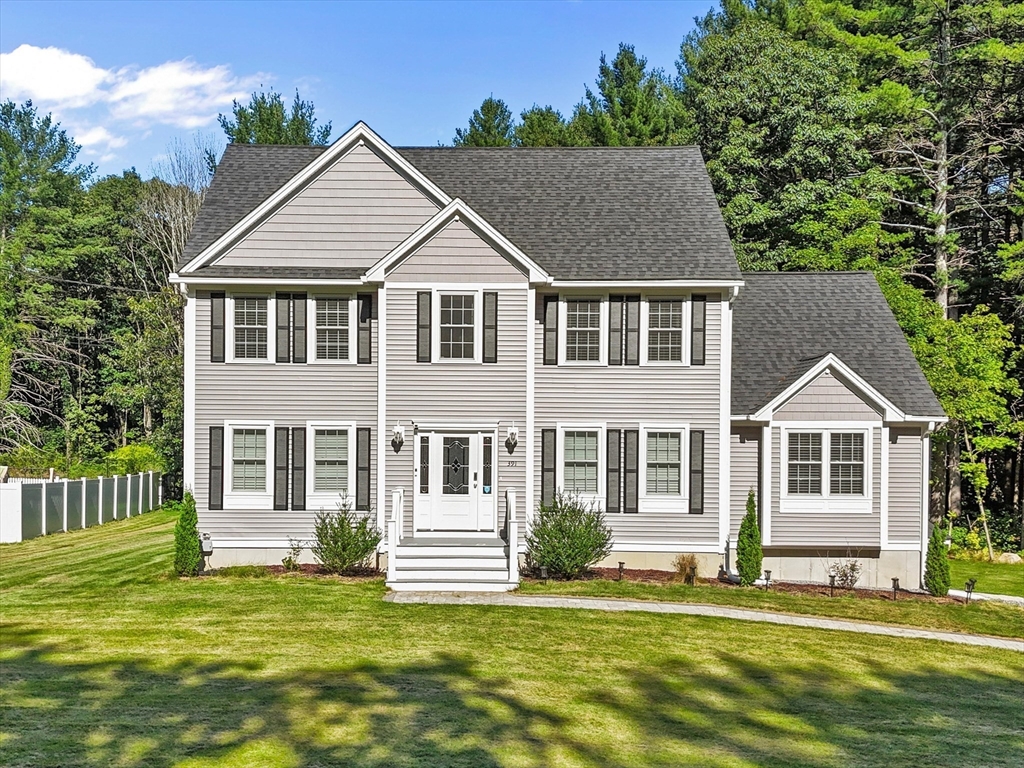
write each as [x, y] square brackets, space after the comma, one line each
[450, 565]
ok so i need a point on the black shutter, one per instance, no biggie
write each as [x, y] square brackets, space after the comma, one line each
[217, 327]
[423, 327]
[547, 465]
[364, 351]
[697, 472]
[550, 330]
[281, 468]
[697, 334]
[284, 332]
[615, 304]
[614, 472]
[216, 468]
[632, 330]
[363, 468]
[490, 327]
[298, 327]
[631, 486]
[298, 468]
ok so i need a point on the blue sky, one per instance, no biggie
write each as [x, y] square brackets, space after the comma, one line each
[127, 78]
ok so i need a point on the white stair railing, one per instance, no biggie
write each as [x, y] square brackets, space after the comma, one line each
[512, 532]
[394, 530]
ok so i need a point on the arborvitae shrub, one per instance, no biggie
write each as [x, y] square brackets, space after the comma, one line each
[748, 546]
[936, 564]
[344, 540]
[187, 554]
[567, 536]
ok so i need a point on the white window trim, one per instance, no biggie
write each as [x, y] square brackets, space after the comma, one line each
[600, 498]
[645, 323]
[662, 502]
[247, 499]
[435, 325]
[353, 329]
[827, 502]
[323, 499]
[229, 328]
[563, 328]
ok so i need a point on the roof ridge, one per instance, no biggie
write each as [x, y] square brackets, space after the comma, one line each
[816, 272]
[509, 149]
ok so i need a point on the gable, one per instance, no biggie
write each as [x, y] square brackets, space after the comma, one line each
[456, 254]
[827, 398]
[351, 215]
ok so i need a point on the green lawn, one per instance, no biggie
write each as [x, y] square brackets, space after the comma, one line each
[984, 618]
[994, 578]
[105, 660]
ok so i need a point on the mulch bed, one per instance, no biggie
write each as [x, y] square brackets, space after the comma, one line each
[651, 576]
[306, 569]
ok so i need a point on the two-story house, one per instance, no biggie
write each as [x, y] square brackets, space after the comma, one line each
[447, 336]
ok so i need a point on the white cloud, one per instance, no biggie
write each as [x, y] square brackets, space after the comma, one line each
[98, 135]
[52, 76]
[181, 93]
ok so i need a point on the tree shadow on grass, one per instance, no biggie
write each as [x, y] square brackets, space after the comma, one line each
[444, 711]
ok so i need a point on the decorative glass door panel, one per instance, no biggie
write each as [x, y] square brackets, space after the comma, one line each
[456, 466]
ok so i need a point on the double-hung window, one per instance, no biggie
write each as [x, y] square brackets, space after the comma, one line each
[805, 463]
[665, 330]
[664, 463]
[457, 326]
[580, 462]
[330, 461]
[249, 460]
[846, 463]
[250, 328]
[583, 330]
[332, 329]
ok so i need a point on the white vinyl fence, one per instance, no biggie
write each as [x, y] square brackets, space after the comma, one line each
[31, 509]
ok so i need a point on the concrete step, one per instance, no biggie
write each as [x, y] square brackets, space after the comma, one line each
[433, 574]
[403, 561]
[451, 585]
[450, 550]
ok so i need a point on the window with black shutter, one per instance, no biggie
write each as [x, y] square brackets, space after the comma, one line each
[698, 335]
[550, 330]
[547, 465]
[490, 327]
[697, 472]
[298, 468]
[216, 500]
[423, 327]
[363, 468]
[217, 327]
[281, 467]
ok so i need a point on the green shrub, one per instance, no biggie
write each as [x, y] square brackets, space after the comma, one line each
[291, 560]
[187, 554]
[567, 537]
[132, 459]
[936, 564]
[343, 540]
[748, 547]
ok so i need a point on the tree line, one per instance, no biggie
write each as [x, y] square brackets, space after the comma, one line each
[881, 135]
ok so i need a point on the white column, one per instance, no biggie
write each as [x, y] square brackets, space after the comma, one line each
[513, 536]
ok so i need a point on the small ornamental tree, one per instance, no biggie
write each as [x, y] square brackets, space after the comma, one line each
[187, 553]
[748, 546]
[345, 540]
[567, 536]
[936, 564]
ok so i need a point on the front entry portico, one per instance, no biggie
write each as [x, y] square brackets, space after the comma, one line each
[455, 483]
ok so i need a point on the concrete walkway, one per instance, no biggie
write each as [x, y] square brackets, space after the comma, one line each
[742, 614]
[1011, 599]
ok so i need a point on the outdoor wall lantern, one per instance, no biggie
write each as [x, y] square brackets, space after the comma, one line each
[969, 588]
[398, 437]
[512, 438]
[895, 587]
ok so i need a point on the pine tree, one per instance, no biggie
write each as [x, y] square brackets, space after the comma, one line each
[936, 564]
[187, 554]
[264, 121]
[490, 126]
[748, 546]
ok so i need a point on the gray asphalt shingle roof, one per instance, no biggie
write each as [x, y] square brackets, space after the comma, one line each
[785, 322]
[581, 213]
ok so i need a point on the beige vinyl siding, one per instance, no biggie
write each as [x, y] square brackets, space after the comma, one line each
[456, 254]
[350, 216]
[848, 530]
[287, 394]
[905, 484]
[457, 393]
[826, 399]
[624, 397]
[744, 456]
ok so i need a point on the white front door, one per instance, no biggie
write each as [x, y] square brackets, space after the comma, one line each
[455, 483]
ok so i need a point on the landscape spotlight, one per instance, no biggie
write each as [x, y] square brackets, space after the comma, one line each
[969, 588]
[895, 586]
